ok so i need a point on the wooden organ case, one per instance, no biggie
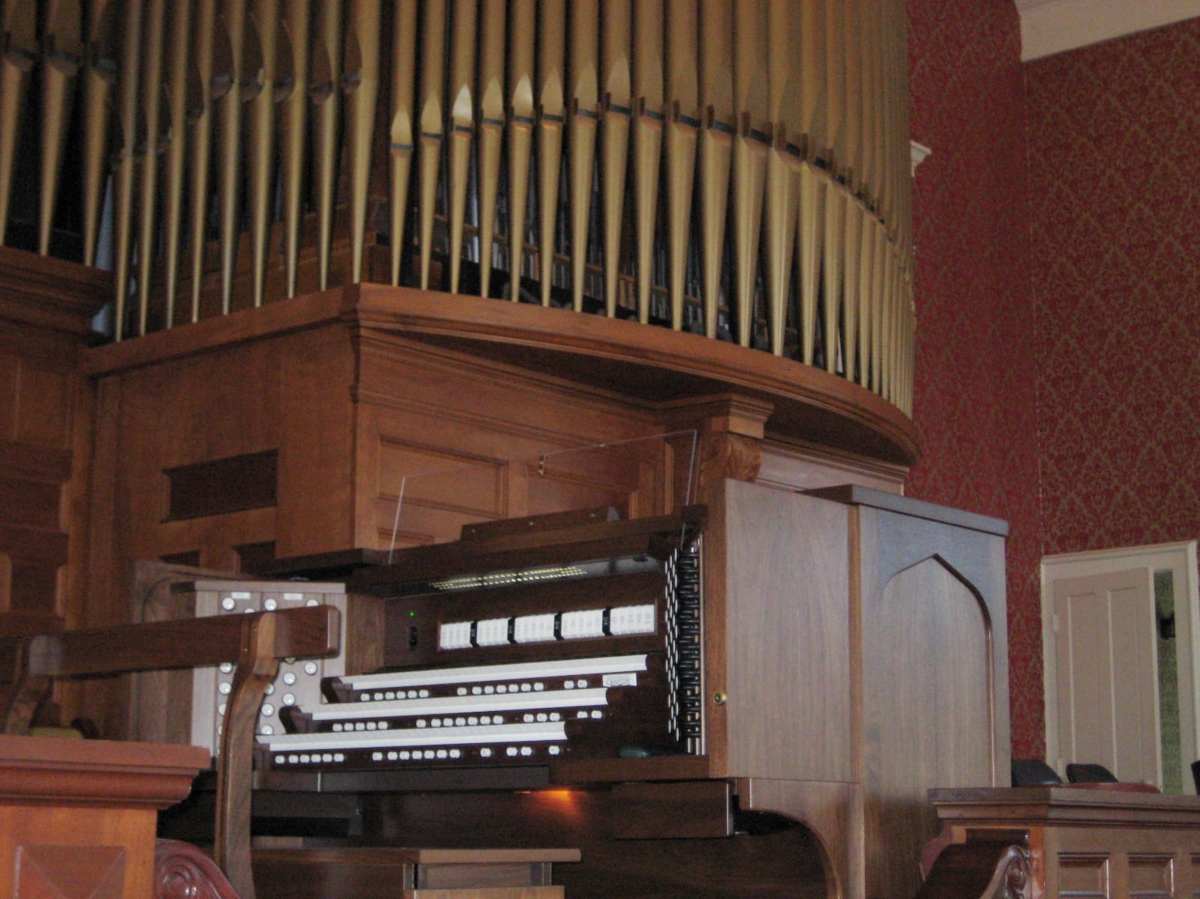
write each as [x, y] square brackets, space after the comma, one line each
[355, 244]
[787, 674]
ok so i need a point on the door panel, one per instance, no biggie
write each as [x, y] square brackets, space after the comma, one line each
[1107, 673]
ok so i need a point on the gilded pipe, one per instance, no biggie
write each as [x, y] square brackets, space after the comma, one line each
[462, 125]
[149, 143]
[521, 122]
[123, 180]
[230, 44]
[205, 81]
[62, 53]
[263, 23]
[100, 75]
[583, 119]
[491, 136]
[647, 140]
[552, 109]
[716, 147]
[18, 56]
[363, 89]
[324, 92]
[431, 124]
[176, 152]
[401, 136]
[750, 145]
[616, 105]
[293, 129]
[683, 122]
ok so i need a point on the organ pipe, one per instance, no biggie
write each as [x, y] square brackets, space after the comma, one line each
[147, 145]
[491, 133]
[292, 140]
[683, 91]
[200, 116]
[552, 94]
[521, 120]
[99, 78]
[262, 82]
[62, 51]
[175, 163]
[735, 168]
[324, 90]
[402, 137]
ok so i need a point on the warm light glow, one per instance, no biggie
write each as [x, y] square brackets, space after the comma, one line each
[565, 803]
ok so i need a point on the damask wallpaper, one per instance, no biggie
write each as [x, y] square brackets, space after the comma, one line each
[976, 366]
[1114, 199]
[1057, 228]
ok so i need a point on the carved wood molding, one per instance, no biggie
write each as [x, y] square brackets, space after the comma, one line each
[181, 871]
[726, 455]
[986, 869]
[1014, 875]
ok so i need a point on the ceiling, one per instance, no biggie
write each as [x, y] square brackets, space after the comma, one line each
[1052, 26]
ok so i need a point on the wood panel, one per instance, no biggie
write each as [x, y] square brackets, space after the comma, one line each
[785, 645]
[45, 422]
[935, 645]
[1106, 650]
[476, 440]
[926, 650]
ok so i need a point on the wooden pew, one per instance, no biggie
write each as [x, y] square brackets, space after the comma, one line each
[256, 643]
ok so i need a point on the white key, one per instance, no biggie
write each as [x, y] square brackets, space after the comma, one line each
[481, 673]
[548, 732]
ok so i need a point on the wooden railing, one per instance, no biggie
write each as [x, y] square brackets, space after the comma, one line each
[256, 643]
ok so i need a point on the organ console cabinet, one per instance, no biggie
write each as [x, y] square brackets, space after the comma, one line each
[826, 658]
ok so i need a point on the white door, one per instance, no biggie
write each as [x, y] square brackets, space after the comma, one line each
[1107, 673]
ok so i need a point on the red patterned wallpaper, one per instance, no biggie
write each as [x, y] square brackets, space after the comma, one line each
[974, 393]
[1114, 187]
[1058, 295]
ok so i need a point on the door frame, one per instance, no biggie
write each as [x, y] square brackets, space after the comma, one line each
[1181, 560]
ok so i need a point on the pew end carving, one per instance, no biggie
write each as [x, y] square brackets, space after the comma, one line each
[182, 871]
[981, 868]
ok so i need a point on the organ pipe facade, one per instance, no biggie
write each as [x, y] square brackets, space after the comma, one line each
[738, 169]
